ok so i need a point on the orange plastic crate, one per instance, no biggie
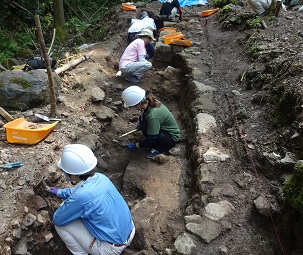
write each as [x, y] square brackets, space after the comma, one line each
[168, 29]
[23, 132]
[167, 39]
[181, 42]
[128, 7]
[209, 12]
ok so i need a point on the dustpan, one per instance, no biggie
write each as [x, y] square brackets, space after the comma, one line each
[181, 42]
[209, 12]
[128, 7]
[21, 131]
[167, 39]
[168, 29]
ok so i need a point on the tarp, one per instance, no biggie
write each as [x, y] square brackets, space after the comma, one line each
[184, 3]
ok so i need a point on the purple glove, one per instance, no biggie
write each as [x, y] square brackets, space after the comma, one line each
[53, 190]
[131, 146]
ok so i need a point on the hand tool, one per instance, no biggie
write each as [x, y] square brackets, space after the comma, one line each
[130, 132]
[12, 165]
[46, 118]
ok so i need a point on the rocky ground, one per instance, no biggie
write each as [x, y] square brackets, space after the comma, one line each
[219, 191]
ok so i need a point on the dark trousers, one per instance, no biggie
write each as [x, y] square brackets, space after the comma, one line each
[164, 142]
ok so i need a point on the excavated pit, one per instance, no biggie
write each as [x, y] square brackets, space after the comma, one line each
[174, 200]
[163, 186]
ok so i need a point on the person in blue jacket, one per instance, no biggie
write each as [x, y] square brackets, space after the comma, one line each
[93, 217]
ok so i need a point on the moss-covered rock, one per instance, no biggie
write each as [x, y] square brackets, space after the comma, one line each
[293, 188]
[20, 81]
[24, 90]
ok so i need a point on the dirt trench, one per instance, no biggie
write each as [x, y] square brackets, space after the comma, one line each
[202, 79]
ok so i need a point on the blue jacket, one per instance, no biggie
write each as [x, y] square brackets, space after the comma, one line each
[100, 206]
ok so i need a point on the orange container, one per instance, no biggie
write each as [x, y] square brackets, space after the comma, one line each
[128, 7]
[184, 43]
[168, 29]
[209, 12]
[169, 37]
[23, 132]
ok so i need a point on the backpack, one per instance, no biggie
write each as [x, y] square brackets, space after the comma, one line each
[39, 63]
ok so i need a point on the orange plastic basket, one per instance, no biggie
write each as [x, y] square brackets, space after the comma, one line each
[168, 29]
[128, 7]
[184, 43]
[209, 12]
[167, 39]
[23, 132]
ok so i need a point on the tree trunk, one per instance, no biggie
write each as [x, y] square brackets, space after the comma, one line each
[59, 21]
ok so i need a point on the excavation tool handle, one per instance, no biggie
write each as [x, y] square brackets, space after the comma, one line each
[12, 165]
[128, 133]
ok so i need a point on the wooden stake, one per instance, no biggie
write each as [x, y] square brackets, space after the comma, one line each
[48, 67]
[6, 115]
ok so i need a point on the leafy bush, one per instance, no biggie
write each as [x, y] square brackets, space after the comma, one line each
[293, 189]
[17, 17]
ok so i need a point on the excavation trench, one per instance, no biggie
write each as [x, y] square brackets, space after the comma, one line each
[200, 196]
[157, 191]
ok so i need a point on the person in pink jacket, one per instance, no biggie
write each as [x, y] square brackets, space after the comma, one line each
[133, 63]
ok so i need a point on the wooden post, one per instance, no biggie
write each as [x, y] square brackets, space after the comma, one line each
[278, 7]
[6, 115]
[48, 67]
[272, 7]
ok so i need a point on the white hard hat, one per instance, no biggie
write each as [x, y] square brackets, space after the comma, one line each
[147, 32]
[133, 95]
[77, 159]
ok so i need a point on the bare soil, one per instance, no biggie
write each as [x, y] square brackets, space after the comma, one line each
[222, 61]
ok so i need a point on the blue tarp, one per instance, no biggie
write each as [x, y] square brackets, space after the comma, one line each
[184, 3]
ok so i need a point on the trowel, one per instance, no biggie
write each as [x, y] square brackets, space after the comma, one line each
[46, 118]
[128, 133]
[123, 141]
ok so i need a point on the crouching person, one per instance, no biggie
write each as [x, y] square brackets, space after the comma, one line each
[158, 125]
[261, 7]
[93, 218]
[133, 63]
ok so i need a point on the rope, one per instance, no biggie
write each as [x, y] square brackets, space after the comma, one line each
[242, 136]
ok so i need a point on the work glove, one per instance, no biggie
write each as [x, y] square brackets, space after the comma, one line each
[131, 146]
[53, 190]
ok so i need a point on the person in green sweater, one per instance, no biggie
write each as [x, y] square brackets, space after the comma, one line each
[156, 122]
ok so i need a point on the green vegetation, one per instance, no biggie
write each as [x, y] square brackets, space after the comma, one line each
[254, 23]
[222, 3]
[285, 101]
[22, 82]
[293, 188]
[18, 38]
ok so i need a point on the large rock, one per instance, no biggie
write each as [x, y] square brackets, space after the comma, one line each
[159, 197]
[20, 90]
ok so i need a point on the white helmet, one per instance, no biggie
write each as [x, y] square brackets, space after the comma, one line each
[133, 95]
[77, 159]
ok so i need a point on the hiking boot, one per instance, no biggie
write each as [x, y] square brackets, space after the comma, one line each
[153, 153]
[132, 79]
